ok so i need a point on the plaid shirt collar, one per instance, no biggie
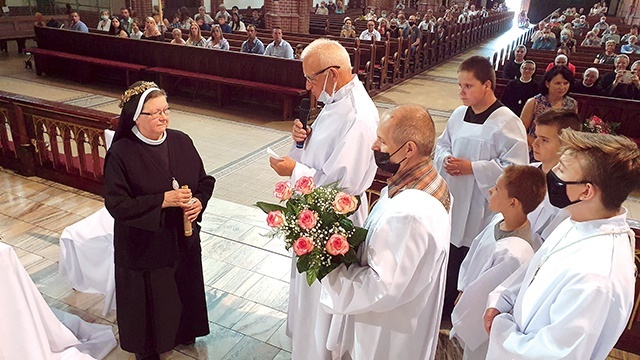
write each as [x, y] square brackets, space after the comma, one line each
[421, 176]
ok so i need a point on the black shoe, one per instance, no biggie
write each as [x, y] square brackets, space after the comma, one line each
[152, 356]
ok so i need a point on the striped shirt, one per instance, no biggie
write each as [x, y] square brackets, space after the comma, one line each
[421, 176]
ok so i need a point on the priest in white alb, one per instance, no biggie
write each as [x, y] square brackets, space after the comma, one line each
[575, 297]
[392, 299]
[336, 149]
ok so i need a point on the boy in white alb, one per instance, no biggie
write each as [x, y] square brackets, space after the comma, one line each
[546, 150]
[500, 249]
[575, 297]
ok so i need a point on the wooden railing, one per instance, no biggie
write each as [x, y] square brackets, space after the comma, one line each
[58, 142]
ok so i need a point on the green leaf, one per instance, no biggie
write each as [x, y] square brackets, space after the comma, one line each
[303, 263]
[312, 275]
[350, 257]
[267, 207]
[358, 237]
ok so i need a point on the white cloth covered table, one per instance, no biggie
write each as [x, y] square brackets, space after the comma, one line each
[86, 256]
[30, 330]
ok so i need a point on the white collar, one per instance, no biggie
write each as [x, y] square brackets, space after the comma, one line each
[525, 82]
[145, 139]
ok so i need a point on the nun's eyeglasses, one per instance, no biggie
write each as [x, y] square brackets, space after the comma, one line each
[157, 114]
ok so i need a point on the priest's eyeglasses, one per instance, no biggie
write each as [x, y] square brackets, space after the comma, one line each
[310, 78]
[157, 114]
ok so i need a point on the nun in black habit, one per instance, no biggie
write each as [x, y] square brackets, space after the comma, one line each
[160, 295]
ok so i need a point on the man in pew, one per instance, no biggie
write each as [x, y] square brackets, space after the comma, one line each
[631, 47]
[204, 16]
[547, 41]
[279, 47]
[589, 84]
[633, 30]
[415, 34]
[126, 19]
[371, 33]
[336, 149]
[252, 45]
[76, 24]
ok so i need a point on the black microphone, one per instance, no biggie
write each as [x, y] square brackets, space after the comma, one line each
[305, 109]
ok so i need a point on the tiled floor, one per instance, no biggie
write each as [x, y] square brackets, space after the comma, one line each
[246, 274]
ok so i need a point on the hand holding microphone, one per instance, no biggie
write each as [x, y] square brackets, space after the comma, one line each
[300, 130]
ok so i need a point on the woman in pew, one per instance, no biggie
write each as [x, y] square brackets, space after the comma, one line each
[591, 40]
[177, 37]
[151, 31]
[347, 30]
[626, 84]
[185, 18]
[237, 24]
[195, 36]
[553, 94]
[609, 54]
[217, 40]
[117, 28]
[520, 90]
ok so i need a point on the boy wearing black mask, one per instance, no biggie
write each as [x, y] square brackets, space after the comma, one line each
[575, 297]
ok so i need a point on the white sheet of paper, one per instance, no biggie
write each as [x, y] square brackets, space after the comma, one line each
[273, 154]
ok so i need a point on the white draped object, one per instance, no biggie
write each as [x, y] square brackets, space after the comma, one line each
[339, 149]
[30, 330]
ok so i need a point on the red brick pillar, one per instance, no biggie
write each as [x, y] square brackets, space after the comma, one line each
[290, 15]
[141, 8]
[382, 5]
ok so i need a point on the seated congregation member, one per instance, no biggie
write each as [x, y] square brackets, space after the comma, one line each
[591, 40]
[520, 90]
[226, 28]
[589, 84]
[151, 31]
[383, 29]
[621, 63]
[256, 20]
[76, 24]
[252, 45]
[298, 52]
[546, 41]
[631, 47]
[575, 297]
[554, 88]
[580, 26]
[626, 84]
[177, 37]
[217, 40]
[185, 18]
[393, 298]
[480, 139]
[611, 34]
[601, 25]
[158, 269]
[609, 54]
[202, 14]
[203, 26]
[566, 39]
[195, 36]
[159, 22]
[496, 253]
[279, 47]
[633, 31]
[546, 152]
[370, 33]
[117, 28]
[511, 69]
[347, 29]
[415, 34]
[322, 9]
[236, 23]
[336, 149]
[126, 19]
[136, 33]
[105, 22]
[175, 22]
[222, 12]
[562, 60]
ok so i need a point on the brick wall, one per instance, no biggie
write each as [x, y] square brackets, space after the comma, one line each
[290, 15]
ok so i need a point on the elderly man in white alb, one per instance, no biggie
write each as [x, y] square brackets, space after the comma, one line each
[575, 297]
[393, 299]
[336, 148]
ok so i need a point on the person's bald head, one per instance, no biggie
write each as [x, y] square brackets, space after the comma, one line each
[410, 123]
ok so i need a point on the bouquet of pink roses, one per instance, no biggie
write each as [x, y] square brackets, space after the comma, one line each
[315, 223]
[596, 125]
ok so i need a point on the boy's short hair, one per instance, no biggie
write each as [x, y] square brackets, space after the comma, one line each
[526, 183]
[481, 69]
[560, 118]
[612, 163]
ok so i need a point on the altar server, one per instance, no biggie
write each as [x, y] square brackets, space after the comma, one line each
[546, 150]
[393, 299]
[480, 140]
[575, 297]
[497, 252]
[336, 148]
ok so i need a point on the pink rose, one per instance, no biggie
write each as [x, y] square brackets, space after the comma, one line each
[337, 245]
[302, 246]
[345, 203]
[283, 190]
[305, 185]
[275, 219]
[307, 219]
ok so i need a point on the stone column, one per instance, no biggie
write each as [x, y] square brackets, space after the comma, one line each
[290, 15]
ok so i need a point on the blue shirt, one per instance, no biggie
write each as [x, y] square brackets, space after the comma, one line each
[80, 26]
[284, 50]
[226, 29]
[255, 47]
